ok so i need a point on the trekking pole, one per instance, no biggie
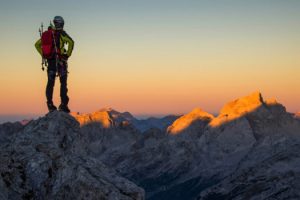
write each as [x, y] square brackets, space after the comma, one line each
[41, 32]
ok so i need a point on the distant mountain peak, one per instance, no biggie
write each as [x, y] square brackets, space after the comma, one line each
[243, 105]
[102, 117]
[185, 121]
[106, 117]
[239, 107]
[230, 111]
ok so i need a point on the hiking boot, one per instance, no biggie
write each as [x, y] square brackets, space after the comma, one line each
[64, 108]
[51, 107]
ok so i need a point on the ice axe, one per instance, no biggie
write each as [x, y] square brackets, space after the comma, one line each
[43, 59]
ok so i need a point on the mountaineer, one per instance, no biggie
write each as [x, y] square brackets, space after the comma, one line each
[55, 47]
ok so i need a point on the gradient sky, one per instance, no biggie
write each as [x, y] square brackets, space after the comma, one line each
[154, 57]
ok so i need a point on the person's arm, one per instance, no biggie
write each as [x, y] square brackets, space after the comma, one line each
[38, 46]
[67, 39]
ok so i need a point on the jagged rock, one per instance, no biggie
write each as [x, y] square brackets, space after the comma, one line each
[8, 130]
[24, 122]
[47, 161]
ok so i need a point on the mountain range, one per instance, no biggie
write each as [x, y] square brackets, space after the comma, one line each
[109, 118]
[249, 151]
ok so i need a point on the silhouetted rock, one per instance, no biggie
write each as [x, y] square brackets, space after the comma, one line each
[47, 161]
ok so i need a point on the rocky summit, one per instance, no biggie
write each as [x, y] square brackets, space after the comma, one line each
[249, 151]
[45, 161]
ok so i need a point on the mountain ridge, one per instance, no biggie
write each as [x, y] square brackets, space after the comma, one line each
[256, 142]
[110, 118]
[188, 164]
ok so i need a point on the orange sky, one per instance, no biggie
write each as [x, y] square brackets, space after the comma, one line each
[156, 58]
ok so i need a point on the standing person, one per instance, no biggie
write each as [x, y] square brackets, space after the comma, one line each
[52, 47]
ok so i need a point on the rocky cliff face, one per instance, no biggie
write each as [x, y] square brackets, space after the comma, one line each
[46, 161]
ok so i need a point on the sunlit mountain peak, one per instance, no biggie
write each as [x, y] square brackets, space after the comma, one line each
[239, 107]
[186, 120]
[102, 117]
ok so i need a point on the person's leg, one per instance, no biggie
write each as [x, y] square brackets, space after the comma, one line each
[50, 84]
[64, 90]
